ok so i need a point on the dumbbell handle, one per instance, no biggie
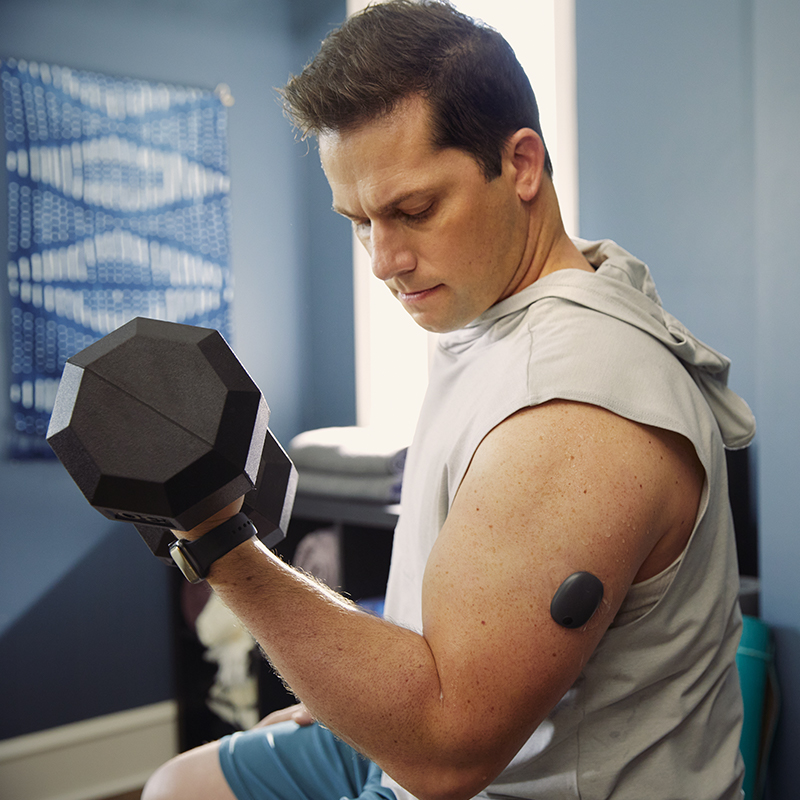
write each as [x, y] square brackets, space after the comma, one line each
[267, 506]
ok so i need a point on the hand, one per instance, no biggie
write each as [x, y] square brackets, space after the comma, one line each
[231, 510]
[298, 713]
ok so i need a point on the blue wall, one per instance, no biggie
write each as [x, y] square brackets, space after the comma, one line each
[328, 358]
[84, 608]
[688, 117]
[688, 135]
[777, 213]
[666, 156]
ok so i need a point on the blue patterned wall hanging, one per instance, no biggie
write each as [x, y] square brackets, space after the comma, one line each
[118, 206]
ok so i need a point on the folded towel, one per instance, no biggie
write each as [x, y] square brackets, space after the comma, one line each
[377, 488]
[356, 450]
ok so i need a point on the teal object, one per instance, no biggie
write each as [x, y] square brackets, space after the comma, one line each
[754, 660]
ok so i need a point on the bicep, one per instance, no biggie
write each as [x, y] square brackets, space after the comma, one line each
[553, 490]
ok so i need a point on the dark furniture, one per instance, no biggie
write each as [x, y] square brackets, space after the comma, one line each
[366, 549]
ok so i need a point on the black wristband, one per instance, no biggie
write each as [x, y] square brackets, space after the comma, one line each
[194, 558]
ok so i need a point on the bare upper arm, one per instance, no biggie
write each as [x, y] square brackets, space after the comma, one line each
[552, 490]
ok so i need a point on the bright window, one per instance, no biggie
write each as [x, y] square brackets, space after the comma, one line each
[391, 350]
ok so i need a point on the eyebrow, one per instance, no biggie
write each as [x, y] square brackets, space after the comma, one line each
[387, 208]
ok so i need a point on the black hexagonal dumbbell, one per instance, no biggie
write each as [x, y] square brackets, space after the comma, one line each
[160, 425]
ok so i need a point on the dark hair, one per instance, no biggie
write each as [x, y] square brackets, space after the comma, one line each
[478, 92]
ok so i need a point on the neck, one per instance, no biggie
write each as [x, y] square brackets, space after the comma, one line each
[549, 247]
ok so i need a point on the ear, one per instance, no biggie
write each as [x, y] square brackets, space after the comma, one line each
[525, 152]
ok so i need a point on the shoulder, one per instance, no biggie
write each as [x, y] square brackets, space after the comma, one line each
[566, 458]
[586, 355]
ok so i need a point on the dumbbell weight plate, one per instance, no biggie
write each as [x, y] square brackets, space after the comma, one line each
[160, 425]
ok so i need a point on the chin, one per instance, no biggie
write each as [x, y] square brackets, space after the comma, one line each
[438, 326]
[432, 325]
[440, 323]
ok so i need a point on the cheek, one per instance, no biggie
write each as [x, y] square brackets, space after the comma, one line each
[474, 239]
[490, 227]
[478, 245]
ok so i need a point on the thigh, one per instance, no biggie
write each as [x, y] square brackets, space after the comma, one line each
[289, 762]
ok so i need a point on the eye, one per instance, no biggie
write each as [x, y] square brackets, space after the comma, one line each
[417, 216]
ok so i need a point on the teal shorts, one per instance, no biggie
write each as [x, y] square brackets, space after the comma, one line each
[289, 762]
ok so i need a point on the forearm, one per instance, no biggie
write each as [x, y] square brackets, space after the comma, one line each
[372, 683]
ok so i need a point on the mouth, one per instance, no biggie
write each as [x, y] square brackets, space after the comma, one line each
[416, 297]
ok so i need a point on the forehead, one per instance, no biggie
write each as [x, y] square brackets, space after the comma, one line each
[386, 158]
[376, 141]
[412, 113]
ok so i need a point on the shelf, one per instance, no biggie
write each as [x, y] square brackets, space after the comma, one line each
[345, 511]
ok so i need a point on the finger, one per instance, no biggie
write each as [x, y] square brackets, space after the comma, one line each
[302, 716]
[297, 713]
[224, 514]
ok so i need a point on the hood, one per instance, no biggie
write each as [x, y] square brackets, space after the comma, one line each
[634, 300]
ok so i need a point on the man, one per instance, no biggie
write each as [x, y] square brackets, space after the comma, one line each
[571, 426]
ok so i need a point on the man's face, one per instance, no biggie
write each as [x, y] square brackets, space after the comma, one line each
[447, 243]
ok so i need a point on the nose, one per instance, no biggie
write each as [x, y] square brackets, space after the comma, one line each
[390, 252]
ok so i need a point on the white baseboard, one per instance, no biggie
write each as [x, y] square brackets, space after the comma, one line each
[92, 759]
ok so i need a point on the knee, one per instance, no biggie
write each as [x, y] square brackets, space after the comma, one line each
[193, 775]
[165, 782]
[156, 786]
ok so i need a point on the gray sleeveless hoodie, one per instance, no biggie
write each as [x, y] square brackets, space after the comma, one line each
[656, 712]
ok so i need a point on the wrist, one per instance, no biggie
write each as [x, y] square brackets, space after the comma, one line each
[194, 556]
